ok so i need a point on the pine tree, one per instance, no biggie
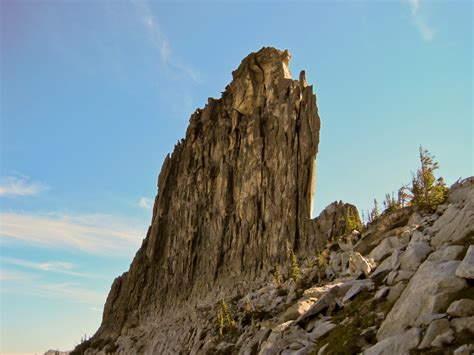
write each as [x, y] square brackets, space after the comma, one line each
[295, 269]
[374, 213]
[426, 192]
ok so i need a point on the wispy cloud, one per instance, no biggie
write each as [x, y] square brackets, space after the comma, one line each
[97, 234]
[161, 42]
[145, 203]
[8, 275]
[19, 186]
[59, 267]
[426, 31]
[71, 292]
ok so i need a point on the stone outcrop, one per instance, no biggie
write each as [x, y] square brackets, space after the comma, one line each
[234, 198]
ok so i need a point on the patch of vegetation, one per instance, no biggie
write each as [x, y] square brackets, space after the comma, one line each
[277, 277]
[225, 321]
[352, 222]
[354, 325]
[425, 191]
[374, 213]
[295, 269]
[107, 345]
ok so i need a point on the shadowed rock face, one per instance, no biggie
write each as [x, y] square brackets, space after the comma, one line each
[234, 198]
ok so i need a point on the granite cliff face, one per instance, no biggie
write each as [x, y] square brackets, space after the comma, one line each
[234, 199]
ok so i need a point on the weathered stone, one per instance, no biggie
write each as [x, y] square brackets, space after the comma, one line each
[404, 275]
[456, 223]
[443, 339]
[360, 265]
[255, 342]
[463, 350]
[450, 252]
[382, 250]
[400, 343]
[384, 227]
[414, 255]
[271, 345]
[428, 318]
[427, 292]
[459, 190]
[298, 309]
[396, 291]
[414, 220]
[466, 268]
[357, 288]
[320, 329]
[435, 328]
[389, 264]
[465, 323]
[381, 293]
[461, 308]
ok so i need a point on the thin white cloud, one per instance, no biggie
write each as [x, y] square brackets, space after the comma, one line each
[8, 275]
[97, 234]
[59, 267]
[161, 42]
[71, 292]
[19, 186]
[414, 5]
[145, 203]
[427, 32]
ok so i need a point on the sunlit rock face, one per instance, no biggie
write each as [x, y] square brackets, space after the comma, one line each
[234, 198]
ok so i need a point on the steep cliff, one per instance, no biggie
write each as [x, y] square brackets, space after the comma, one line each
[234, 199]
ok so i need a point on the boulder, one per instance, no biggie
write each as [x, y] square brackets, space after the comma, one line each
[400, 343]
[360, 265]
[414, 255]
[427, 292]
[389, 264]
[437, 327]
[465, 323]
[456, 223]
[461, 308]
[443, 339]
[320, 329]
[463, 350]
[298, 309]
[382, 250]
[466, 268]
[447, 253]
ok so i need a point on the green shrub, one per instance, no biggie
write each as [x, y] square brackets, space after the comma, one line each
[425, 191]
[225, 322]
[295, 269]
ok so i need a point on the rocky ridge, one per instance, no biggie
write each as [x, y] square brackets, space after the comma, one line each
[216, 274]
[234, 199]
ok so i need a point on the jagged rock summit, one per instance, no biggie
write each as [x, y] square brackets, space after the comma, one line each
[234, 199]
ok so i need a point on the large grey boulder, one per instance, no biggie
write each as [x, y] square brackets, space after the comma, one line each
[414, 255]
[456, 223]
[466, 268]
[399, 344]
[427, 292]
[435, 328]
[461, 308]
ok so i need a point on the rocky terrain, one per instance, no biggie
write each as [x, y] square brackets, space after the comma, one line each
[233, 263]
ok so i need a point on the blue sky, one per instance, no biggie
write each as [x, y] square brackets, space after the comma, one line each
[94, 94]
